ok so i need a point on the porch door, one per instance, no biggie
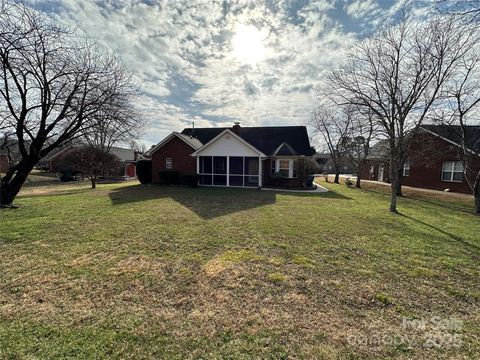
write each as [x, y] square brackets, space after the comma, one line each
[219, 170]
[381, 169]
[252, 171]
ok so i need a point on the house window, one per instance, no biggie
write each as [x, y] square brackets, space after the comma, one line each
[452, 171]
[168, 163]
[406, 169]
[283, 167]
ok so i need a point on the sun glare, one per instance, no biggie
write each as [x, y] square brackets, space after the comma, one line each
[248, 44]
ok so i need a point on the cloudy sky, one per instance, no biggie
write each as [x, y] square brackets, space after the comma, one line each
[215, 62]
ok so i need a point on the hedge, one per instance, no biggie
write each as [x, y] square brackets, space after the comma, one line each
[144, 171]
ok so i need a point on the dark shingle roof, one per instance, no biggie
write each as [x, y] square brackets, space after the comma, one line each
[266, 139]
[453, 133]
[379, 151]
[285, 150]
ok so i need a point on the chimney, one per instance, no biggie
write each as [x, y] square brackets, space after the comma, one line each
[193, 129]
[135, 155]
[236, 127]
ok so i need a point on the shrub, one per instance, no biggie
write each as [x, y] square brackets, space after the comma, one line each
[144, 171]
[348, 182]
[277, 175]
[169, 177]
[190, 180]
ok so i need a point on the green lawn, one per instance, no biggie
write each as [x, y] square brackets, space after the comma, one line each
[128, 271]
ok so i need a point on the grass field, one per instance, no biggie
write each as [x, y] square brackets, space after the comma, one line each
[141, 272]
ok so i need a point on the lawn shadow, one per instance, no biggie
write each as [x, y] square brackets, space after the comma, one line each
[207, 202]
[473, 247]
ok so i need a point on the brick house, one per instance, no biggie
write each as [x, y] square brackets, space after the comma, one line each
[4, 165]
[434, 159]
[236, 156]
[126, 157]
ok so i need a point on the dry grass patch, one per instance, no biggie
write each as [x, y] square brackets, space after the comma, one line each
[152, 272]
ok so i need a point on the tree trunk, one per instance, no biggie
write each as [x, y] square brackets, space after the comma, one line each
[394, 180]
[337, 177]
[358, 184]
[94, 183]
[399, 184]
[393, 198]
[13, 181]
[476, 194]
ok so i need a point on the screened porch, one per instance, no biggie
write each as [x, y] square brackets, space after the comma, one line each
[239, 171]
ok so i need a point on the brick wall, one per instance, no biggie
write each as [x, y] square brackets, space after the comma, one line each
[3, 163]
[426, 154]
[180, 153]
[296, 183]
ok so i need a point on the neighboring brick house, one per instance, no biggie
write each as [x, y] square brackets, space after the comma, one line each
[12, 151]
[126, 157]
[4, 165]
[236, 156]
[434, 159]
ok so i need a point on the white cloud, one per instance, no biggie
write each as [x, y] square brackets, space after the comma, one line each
[361, 8]
[182, 55]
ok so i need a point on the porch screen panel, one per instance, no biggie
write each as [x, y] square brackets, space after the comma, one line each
[205, 176]
[236, 171]
[236, 165]
[251, 171]
[206, 165]
[205, 179]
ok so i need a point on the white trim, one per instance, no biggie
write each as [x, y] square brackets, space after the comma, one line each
[57, 154]
[406, 166]
[234, 135]
[260, 171]
[166, 140]
[228, 170]
[452, 171]
[447, 140]
[281, 145]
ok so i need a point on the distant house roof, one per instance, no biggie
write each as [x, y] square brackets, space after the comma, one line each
[322, 159]
[453, 134]
[194, 142]
[266, 139]
[123, 154]
[379, 151]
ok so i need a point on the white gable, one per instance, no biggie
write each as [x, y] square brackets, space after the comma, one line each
[227, 145]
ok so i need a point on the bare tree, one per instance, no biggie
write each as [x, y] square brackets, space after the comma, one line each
[361, 133]
[120, 122]
[461, 116]
[397, 75]
[91, 161]
[333, 127]
[466, 9]
[53, 84]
